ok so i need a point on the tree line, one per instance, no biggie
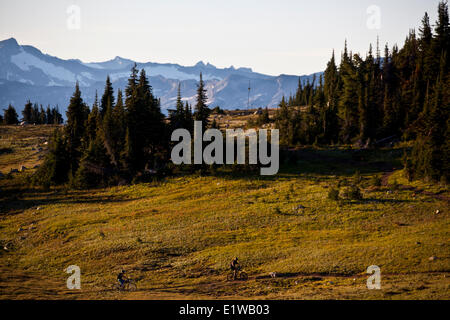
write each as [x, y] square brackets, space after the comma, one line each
[122, 138]
[32, 114]
[400, 94]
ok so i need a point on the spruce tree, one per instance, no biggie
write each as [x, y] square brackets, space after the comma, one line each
[330, 124]
[75, 129]
[35, 114]
[92, 124]
[348, 101]
[177, 118]
[56, 165]
[108, 97]
[49, 115]
[426, 59]
[201, 109]
[10, 116]
[442, 38]
[27, 112]
[57, 117]
[130, 153]
[42, 116]
[189, 118]
[153, 126]
[429, 156]
[119, 115]
[146, 133]
[109, 135]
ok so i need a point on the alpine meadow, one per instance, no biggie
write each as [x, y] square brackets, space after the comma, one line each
[186, 183]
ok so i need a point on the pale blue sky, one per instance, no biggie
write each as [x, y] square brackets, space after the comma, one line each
[272, 37]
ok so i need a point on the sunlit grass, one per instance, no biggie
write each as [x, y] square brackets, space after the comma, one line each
[177, 236]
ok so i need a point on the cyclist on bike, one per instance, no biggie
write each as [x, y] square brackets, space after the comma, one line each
[121, 277]
[235, 267]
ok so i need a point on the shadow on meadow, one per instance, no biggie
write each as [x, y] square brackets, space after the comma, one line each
[311, 163]
[314, 164]
[15, 200]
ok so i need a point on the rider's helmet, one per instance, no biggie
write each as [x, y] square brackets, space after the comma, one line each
[123, 271]
[237, 259]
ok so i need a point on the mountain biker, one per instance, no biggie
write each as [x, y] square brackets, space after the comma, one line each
[235, 267]
[121, 277]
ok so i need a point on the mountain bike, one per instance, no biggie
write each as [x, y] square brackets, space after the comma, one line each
[128, 285]
[240, 275]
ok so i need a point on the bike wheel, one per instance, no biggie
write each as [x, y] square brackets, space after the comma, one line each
[132, 286]
[230, 276]
[243, 276]
[116, 286]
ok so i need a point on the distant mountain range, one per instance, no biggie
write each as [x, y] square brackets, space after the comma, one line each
[27, 73]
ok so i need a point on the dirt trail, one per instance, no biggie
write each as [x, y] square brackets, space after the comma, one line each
[26, 286]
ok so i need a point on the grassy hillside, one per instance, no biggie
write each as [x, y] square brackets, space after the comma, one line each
[177, 236]
[22, 146]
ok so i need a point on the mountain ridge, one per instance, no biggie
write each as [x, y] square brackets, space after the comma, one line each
[28, 73]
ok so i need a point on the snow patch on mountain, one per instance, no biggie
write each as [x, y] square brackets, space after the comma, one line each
[172, 72]
[52, 83]
[168, 73]
[88, 75]
[26, 61]
[26, 81]
[120, 75]
[25, 72]
[93, 65]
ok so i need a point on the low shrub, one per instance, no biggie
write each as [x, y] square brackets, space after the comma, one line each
[353, 193]
[333, 194]
[376, 181]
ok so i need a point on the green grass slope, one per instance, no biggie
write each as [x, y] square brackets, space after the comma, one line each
[176, 237]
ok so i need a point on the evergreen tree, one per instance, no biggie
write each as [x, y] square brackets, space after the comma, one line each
[189, 118]
[330, 123]
[107, 98]
[49, 115]
[35, 114]
[201, 109]
[263, 117]
[215, 125]
[42, 116]
[119, 116]
[56, 165]
[348, 101]
[442, 38]
[429, 157]
[57, 117]
[177, 118]
[146, 134]
[391, 101]
[109, 136]
[75, 129]
[93, 123]
[426, 60]
[10, 116]
[287, 122]
[91, 171]
[153, 127]
[27, 112]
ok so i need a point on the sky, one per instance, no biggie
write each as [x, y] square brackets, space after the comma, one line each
[272, 37]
